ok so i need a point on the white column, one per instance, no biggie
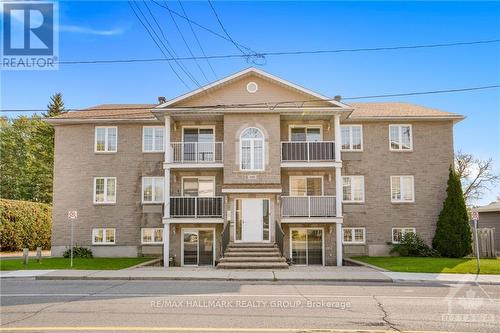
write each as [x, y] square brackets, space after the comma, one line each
[166, 192]
[338, 190]
[336, 127]
[166, 244]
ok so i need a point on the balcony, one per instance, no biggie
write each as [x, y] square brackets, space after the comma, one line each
[198, 153]
[296, 208]
[310, 152]
[196, 207]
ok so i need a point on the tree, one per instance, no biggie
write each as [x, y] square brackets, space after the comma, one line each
[453, 236]
[476, 176]
[27, 151]
[55, 106]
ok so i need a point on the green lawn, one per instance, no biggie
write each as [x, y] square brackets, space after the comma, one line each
[78, 263]
[433, 265]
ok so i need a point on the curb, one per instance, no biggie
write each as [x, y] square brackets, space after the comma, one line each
[229, 279]
[360, 263]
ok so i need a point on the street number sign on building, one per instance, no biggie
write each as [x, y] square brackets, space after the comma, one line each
[474, 215]
[72, 214]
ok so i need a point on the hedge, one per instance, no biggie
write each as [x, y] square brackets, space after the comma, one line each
[24, 224]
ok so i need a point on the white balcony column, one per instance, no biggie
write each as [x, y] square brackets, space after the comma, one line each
[166, 206]
[336, 127]
[166, 244]
[338, 213]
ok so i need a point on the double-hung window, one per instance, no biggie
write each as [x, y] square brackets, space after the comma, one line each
[105, 139]
[353, 235]
[353, 189]
[400, 138]
[103, 236]
[152, 189]
[398, 233]
[402, 189]
[306, 186]
[104, 190]
[252, 150]
[351, 137]
[151, 235]
[153, 139]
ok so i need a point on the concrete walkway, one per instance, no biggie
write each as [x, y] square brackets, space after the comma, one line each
[320, 274]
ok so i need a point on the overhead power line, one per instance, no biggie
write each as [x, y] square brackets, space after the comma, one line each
[158, 45]
[281, 53]
[158, 3]
[197, 39]
[271, 104]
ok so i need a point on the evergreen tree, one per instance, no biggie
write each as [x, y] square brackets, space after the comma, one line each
[453, 236]
[56, 106]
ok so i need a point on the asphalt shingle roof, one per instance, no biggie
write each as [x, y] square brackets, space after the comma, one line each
[361, 110]
[396, 109]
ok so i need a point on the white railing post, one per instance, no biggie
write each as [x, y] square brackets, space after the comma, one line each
[166, 191]
[196, 207]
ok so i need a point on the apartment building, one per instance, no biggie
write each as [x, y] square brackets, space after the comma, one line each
[248, 171]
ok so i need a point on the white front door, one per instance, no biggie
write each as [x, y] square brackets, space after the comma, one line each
[252, 220]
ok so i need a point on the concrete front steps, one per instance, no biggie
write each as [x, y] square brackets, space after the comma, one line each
[252, 256]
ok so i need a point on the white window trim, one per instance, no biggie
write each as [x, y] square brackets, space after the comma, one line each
[212, 178]
[153, 241]
[154, 150]
[305, 177]
[197, 231]
[353, 201]
[252, 151]
[404, 230]
[105, 151]
[412, 188]
[307, 249]
[353, 241]
[104, 242]
[105, 202]
[350, 138]
[199, 127]
[400, 139]
[153, 194]
[306, 126]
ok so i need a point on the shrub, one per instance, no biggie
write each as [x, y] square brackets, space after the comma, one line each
[24, 224]
[412, 245]
[78, 252]
[453, 236]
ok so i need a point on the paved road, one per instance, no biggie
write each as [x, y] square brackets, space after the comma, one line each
[27, 304]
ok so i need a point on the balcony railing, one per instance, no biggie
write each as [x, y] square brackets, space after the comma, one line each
[197, 152]
[196, 207]
[307, 151]
[311, 206]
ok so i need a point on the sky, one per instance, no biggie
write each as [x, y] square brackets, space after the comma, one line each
[91, 30]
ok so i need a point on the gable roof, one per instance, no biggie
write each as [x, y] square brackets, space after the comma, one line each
[313, 96]
[362, 111]
[398, 110]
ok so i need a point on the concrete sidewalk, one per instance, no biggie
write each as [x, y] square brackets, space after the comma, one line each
[320, 274]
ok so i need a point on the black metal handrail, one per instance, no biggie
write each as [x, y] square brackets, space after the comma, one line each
[225, 237]
[280, 235]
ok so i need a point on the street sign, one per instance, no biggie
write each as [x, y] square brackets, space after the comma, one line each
[474, 215]
[72, 214]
